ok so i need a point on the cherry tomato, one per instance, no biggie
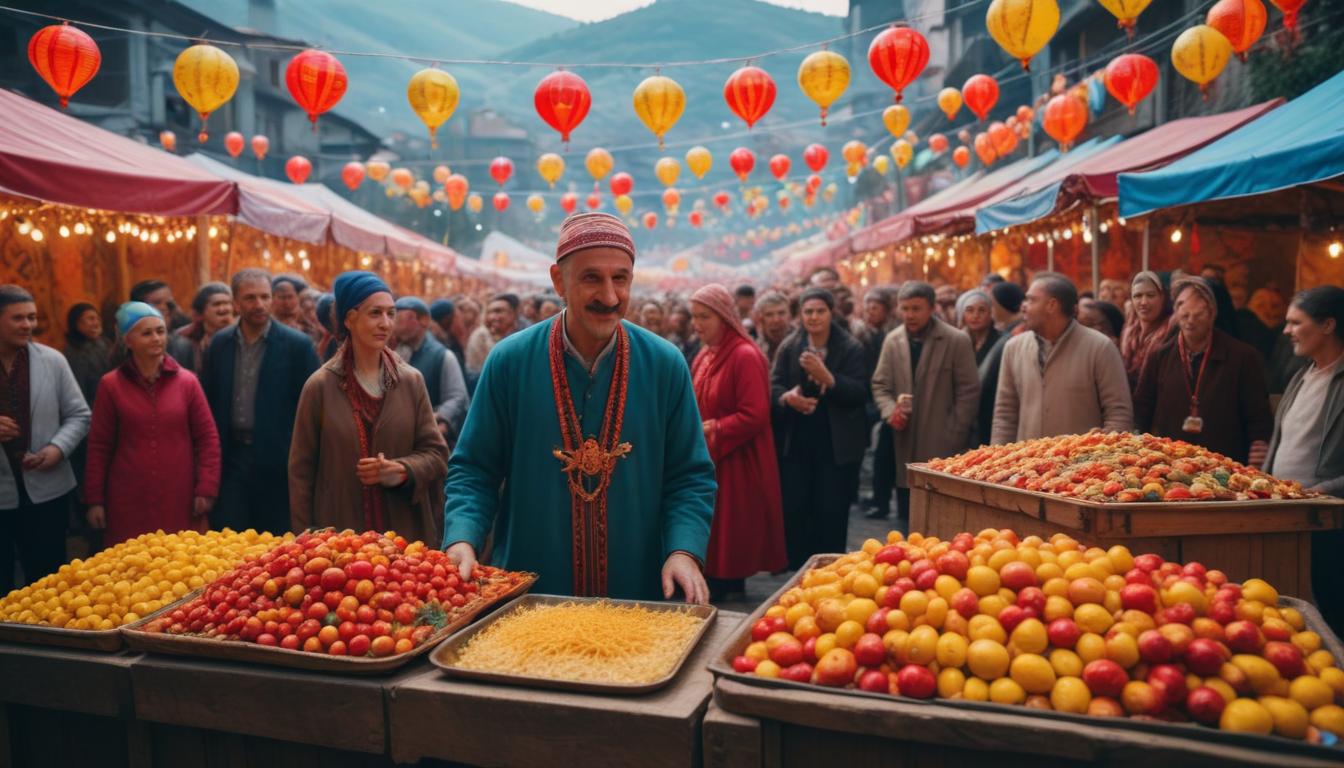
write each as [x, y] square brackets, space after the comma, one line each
[403, 645]
[267, 639]
[312, 645]
[383, 646]
[366, 614]
[318, 611]
[337, 648]
[328, 635]
[405, 614]
[290, 642]
[381, 629]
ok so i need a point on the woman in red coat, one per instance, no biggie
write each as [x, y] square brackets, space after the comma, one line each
[153, 459]
[732, 388]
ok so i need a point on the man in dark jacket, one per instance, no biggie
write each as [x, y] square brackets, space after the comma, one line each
[254, 373]
[443, 375]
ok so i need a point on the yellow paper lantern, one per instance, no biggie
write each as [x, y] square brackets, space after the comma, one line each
[659, 102]
[433, 95]
[667, 170]
[881, 164]
[855, 152]
[1126, 12]
[441, 174]
[206, 78]
[824, 76]
[949, 100]
[624, 204]
[377, 170]
[474, 202]
[902, 152]
[550, 167]
[1200, 54]
[896, 118]
[699, 160]
[1022, 27]
[852, 169]
[536, 204]
[599, 163]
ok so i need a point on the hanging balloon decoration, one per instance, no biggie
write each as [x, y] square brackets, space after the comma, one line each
[855, 152]
[621, 184]
[1130, 78]
[1022, 27]
[699, 160]
[659, 102]
[881, 164]
[568, 202]
[897, 56]
[550, 167]
[433, 95]
[779, 166]
[938, 143]
[475, 203]
[500, 201]
[206, 78]
[671, 200]
[814, 182]
[1200, 54]
[353, 174]
[1242, 22]
[168, 140]
[593, 201]
[599, 163]
[441, 173]
[742, 161]
[378, 170]
[233, 144]
[1126, 12]
[1025, 114]
[722, 199]
[902, 152]
[562, 100]
[456, 189]
[624, 204]
[667, 170]
[260, 146]
[750, 92]
[297, 169]
[650, 220]
[949, 100]
[815, 155]
[961, 156]
[1290, 8]
[824, 76]
[501, 168]
[65, 57]
[1065, 118]
[981, 93]
[696, 218]
[402, 177]
[1005, 141]
[317, 81]
[536, 204]
[896, 118]
[984, 149]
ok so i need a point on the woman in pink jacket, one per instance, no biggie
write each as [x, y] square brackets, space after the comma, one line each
[153, 460]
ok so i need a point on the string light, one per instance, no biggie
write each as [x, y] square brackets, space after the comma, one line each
[110, 237]
[1335, 249]
[1176, 235]
[37, 235]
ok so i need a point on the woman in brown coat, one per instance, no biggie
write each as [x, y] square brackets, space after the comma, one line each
[366, 453]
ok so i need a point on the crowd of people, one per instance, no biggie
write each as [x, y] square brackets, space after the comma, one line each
[251, 408]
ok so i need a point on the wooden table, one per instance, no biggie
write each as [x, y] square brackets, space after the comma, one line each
[1245, 539]
[432, 716]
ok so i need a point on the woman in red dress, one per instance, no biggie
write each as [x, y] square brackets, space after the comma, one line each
[732, 388]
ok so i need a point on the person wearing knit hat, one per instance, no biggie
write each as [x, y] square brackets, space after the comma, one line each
[367, 452]
[975, 316]
[1007, 306]
[1205, 387]
[444, 314]
[443, 374]
[589, 425]
[325, 309]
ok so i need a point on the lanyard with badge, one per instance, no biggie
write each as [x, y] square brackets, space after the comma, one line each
[1193, 423]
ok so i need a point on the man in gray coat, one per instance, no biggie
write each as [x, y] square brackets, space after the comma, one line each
[43, 418]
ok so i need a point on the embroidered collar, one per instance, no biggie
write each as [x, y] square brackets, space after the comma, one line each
[573, 351]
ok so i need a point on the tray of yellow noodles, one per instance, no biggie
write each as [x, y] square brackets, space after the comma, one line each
[578, 644]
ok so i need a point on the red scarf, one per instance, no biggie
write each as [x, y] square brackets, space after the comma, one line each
[366, 409]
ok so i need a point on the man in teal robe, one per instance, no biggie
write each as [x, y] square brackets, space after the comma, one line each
[505, 474]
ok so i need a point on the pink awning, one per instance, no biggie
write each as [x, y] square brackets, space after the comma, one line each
[51, 156]
[270, 205]
[357, 229]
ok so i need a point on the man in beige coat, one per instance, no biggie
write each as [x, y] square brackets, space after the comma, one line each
[1059, 378]
[933, 364]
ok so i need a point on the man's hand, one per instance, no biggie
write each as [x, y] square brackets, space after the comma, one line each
[379, 470]
[202, 506]
[682, 571]
[97, 517]
[46, 458]
[9, 429]
[817, 370]
[464, 556]
[899, 420]
[795, 400]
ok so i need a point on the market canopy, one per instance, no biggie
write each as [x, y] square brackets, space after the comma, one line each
[269, 205]
[355, 228]
[51, 156]
[1095, 177]
[1300, 143]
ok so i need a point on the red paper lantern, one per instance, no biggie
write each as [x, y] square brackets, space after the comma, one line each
[1130, 78]
[984, 149]
[64, 56]
[961, 156]
[568, 202]
[168, 140]
[562, 100]
[316, 80]
[980, 93]
[297, 169]
[621, 184]
[1065, 118]
[938, 143]
[816, 156]
[353, 174]
[750, 92]
[722, 199]
[233, 144]
[1025, 114]
[814, 182]
[594, 201]
[696, 218]
[671, 197]
[501, 168]
[1290, 10]
[500, 200]
[650, 220]
[898, 55]
[779, 166]
[1005, 141]
[260, 146]
[742, 161]
[1242, 22]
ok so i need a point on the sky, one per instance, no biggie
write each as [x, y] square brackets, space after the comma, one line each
[597, 10]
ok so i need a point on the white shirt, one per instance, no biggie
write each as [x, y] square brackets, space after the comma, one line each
[1303, 429]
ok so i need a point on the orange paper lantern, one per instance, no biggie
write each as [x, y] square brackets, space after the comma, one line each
[1242, 22]
[353, 174]
[961, 156]
[297, 169]
[260, 146]
[233, 144]
[65, 57]
[1131, 77]
[984, 149]
[750, 92]
[1065, 118]
[981, 93]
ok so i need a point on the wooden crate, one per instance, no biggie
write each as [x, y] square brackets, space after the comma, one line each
[1246, 539]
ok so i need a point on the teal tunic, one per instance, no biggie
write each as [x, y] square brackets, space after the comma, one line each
[503, 476]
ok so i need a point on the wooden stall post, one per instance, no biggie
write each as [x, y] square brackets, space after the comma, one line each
[203, 250]
[1050, 254]
[1093, 228]
[1144, 260]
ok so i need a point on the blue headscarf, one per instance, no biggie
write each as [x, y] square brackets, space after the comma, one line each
[324, 304]
[440, 309]
[352, 288]
[132, 312]
[412, 304]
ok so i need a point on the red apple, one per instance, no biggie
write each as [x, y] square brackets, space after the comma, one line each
[892, 597]
[1018, 575]
[916, 681]
[869, 650]
[1205, 656]
[891, 554]
[767, 626]
[1195, 569]
[874, 681]
[1180, 636]
[1013, 615]
[1139, 597]
[1063, 633]
[963, 542]
[1244, 637]
[966, 602]
[926, 579]
[1205, 705]
[1181, 613]
[1138, 576]
[1154, 647]
[1230, 592]
[1169, 680]
[1148, 562]
[920, 566]
[1032, 598]
[744, 664]
[1222, 611]
[798, 673]
[810, 650]
[905, 583]
[836, 668]
[1285, 657]
[954, 563]
[1105, 678]
[877, 621]
[787, 653]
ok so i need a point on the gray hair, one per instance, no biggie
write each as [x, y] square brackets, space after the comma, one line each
[1061, 289]
[249, 275]
[973, 296]
[770, 299]
[917, 289]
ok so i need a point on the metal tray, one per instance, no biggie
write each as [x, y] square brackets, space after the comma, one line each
[138, 639]
[80, 639]
[721, 665]
[445, 656]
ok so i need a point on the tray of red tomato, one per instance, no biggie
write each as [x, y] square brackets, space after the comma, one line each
[359, 603]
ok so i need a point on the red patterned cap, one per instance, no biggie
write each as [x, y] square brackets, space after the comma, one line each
[593, 230]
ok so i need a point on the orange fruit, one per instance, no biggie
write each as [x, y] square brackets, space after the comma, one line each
[1311, 692]
[1006, 691]
[987, 659]
[1290, 718]
[982, 579]
[1070, 694]
[951, 650]
[951, 682]
[1093, 618]
[1246, 716]
[986, 627]
[1066, 663]
[975, 689]
[1033, 673]
[1329, 718]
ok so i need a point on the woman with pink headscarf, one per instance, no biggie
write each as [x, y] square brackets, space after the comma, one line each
[732, 388]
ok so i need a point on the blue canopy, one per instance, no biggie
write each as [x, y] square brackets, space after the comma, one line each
[1301, 142]
[1016, 204]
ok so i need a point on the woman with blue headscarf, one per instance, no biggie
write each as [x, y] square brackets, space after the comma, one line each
[153, 458]
[367, 453]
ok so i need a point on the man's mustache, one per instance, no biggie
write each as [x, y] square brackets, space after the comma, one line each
[602, 309]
